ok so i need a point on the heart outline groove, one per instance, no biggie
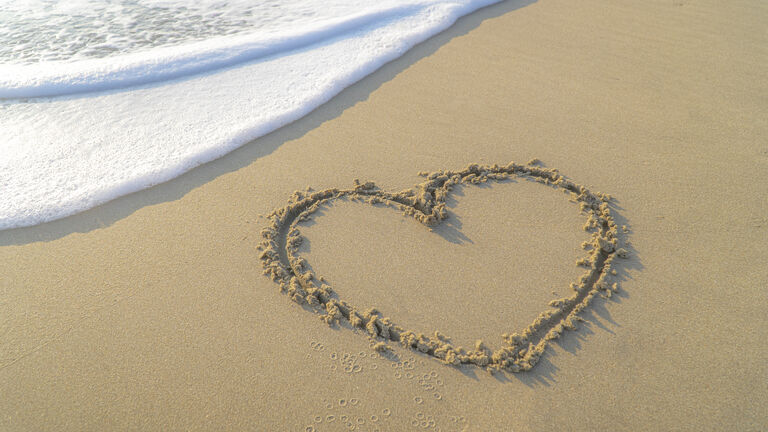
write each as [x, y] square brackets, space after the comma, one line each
[426, 202]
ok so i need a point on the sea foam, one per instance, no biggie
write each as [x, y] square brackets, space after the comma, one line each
[77, 133]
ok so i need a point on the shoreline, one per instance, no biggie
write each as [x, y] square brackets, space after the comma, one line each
[122, 206]
[133, 156]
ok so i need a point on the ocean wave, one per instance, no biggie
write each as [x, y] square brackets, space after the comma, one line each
[63, 155]
[50, 79]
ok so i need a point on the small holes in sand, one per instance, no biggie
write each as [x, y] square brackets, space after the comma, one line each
[353, 414]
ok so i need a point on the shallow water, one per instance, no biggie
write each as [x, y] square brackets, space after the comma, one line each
[99, 100]
[49, 30]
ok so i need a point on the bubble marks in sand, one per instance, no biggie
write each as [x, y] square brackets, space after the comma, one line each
[351, 414]
[426, 203]
[368, 410]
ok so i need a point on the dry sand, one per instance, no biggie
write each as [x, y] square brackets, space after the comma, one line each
[151, 312]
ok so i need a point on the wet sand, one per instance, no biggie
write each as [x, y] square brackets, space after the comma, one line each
[152, 312]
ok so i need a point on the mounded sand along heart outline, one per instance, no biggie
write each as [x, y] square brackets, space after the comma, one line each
[426, 203]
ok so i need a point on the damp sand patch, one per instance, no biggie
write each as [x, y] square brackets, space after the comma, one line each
[506, 250]
[426, 203]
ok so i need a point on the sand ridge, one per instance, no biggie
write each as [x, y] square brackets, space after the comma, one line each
[426, 203]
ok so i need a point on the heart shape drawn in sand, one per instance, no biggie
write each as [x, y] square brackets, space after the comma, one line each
[426, 203]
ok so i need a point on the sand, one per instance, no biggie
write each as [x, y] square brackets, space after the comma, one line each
[151, 312]
[283, 261]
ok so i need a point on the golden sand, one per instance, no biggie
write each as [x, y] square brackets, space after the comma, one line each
[151, 312]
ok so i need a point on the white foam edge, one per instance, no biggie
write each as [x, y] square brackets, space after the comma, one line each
[37, 211]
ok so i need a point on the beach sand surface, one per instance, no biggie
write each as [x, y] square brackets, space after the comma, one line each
[151, 312]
